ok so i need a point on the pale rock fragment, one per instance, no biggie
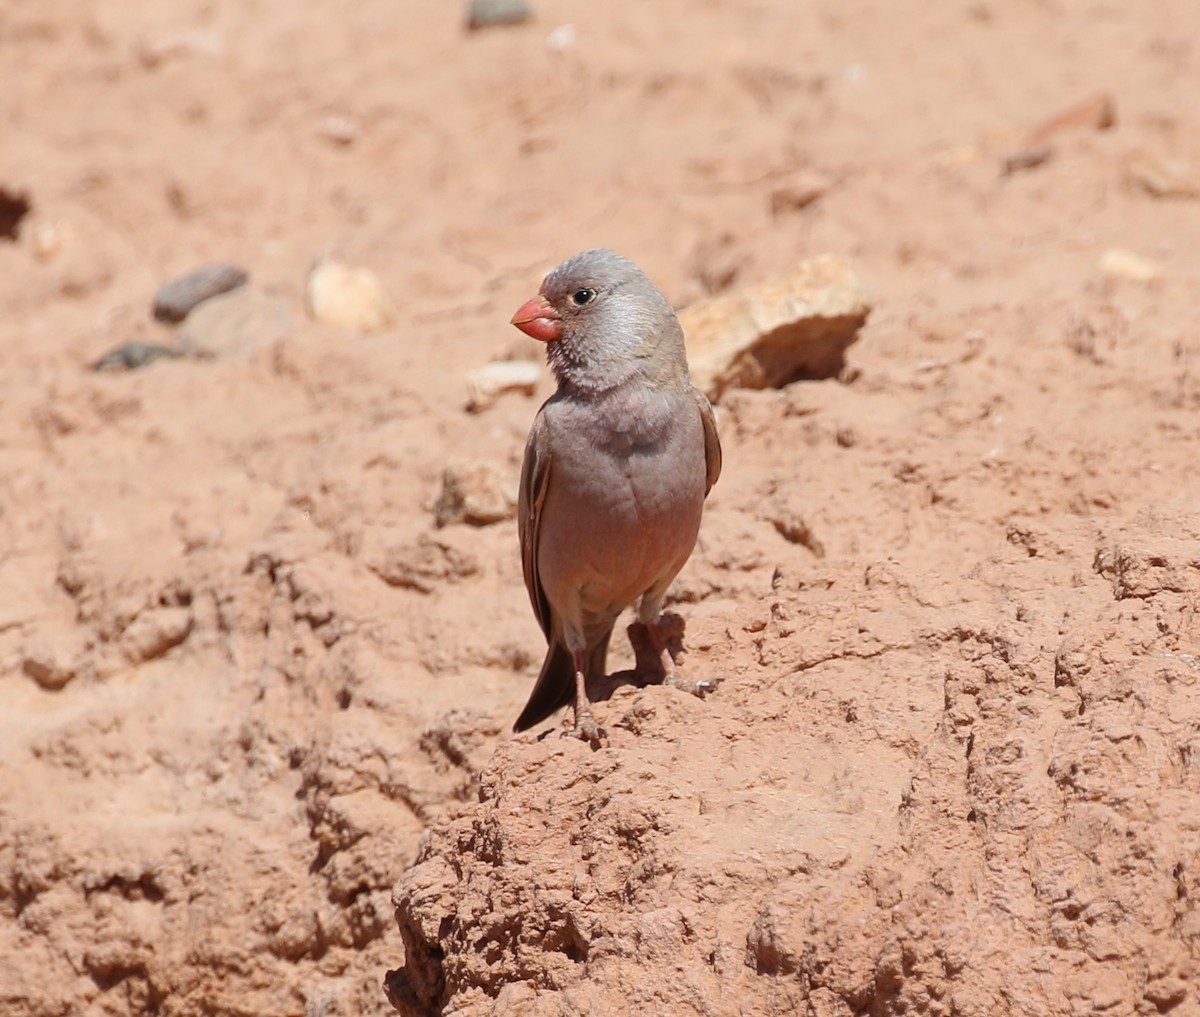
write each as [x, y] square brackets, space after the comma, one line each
[1163, 177]
[155, 631]
[796, 325]
[486, 384]
[346, 296]
[476, 492]
[1117, 263]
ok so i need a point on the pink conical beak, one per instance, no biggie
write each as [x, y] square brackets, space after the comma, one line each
[538, 320]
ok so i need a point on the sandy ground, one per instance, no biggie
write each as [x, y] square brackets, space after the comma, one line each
[247, 687]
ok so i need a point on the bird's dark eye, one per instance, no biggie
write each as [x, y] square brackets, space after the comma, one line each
[583, 296]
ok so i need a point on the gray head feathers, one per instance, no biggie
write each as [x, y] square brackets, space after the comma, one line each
[616, 325]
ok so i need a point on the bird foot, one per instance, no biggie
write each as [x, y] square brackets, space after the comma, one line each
[648, 646]
[699, 688]
[586, 729]
[655, 647]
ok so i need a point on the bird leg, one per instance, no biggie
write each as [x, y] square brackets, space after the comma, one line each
[586, 728]
[661, 630]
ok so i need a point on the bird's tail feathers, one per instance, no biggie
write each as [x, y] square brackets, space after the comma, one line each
[555, 686]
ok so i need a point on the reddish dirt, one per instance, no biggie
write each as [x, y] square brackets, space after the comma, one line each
[245, 682]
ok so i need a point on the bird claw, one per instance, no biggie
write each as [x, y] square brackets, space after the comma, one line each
[699, 689]
[586, 729]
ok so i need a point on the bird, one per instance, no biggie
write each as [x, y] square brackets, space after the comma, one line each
[616, 470]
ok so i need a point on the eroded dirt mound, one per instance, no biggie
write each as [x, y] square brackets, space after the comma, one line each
[1009, 828]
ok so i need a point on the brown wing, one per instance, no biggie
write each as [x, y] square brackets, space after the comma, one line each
[712, 441]
[535, 476]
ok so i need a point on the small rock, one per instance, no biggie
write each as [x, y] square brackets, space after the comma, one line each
[794, 326]
[50, 667]
[1025, 159]
[486, 384]
[235, 322]
[348, 297]
[795, 530]
[176, 299]
[476, 492]
[489, 13]
[422, 565]
[1117, 263]
[133, 355]
[561, 39]
[1161, 177]
[1097, 113]
[46, 241]
[181, 45]
[339, 130]
[797, 193]
[153, 632]
[1144, 567]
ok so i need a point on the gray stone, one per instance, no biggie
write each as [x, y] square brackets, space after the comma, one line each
[175, 299]
[133, 355]
[488, 13]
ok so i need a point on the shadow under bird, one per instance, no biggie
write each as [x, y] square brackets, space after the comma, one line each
[617, 467]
